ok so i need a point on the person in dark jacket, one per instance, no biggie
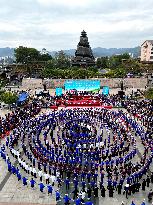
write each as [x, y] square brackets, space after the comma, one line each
[103, 190]
[111, 191]
[89, 192]
[96, 191]
[75, 192]
[152, 177]
[119, 188]
[143, 184]
[148, 181]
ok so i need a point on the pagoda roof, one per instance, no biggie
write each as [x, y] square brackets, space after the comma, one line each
[83, 34]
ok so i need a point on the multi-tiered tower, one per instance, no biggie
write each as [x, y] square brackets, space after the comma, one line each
[83, 55]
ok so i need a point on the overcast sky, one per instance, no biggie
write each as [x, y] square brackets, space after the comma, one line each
[57, 24]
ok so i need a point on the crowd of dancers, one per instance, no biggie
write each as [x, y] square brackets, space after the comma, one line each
[79, 155]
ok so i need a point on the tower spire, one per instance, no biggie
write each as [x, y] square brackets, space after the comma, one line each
[83, 55]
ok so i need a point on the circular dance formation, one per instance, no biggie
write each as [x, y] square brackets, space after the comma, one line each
[80, 154]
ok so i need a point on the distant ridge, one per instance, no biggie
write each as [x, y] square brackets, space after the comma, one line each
[6, 52]
[98, 52]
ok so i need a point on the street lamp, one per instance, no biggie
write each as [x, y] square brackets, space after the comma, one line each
[26, 62]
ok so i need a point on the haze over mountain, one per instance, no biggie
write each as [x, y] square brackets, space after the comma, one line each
[6, 52]
[98, 52]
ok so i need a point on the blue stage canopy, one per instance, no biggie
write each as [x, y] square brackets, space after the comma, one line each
[22, 97]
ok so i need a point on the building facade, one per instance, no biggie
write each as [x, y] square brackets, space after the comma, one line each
[147, 51]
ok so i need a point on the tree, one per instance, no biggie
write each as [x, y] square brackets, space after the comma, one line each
[120, 72]
[98, 62]
[125, 56]
[92, 69]
[133, 66]
[62, 60]
[149, 93]
[26, 55]
[117, 60]
[114, 62]
[8, 98]
[102, 62]
[45, 57]
[51, 64]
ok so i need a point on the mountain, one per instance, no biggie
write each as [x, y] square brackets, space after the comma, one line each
[101, 52]
[98, 52]
[6, 52]
[70, 52]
